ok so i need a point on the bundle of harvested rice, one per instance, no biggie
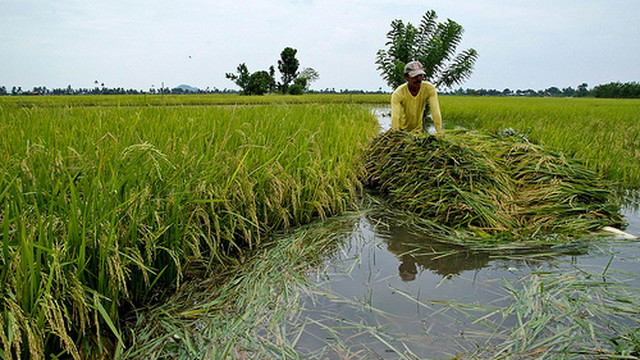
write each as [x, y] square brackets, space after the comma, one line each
[489, 185]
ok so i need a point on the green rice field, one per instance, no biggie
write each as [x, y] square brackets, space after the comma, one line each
[188, 100]
[603, 133]
[110, 205]
[105, 208]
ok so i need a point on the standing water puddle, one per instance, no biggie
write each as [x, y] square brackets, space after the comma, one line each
[392, 293]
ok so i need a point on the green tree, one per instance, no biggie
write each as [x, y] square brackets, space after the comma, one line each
[433, 44]
[583, 90]
[298, 87]
[553, 91]
[568, 92]
[288, 67]
[260, 83]
[302, 82]
[272, 73]
[257, 83]
[617, 89]
[242, 79]
[309, 75]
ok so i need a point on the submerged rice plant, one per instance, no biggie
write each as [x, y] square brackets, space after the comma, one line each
[476, 184]
[568, 315]
[246, 311]
[267, 309]
[107, 208]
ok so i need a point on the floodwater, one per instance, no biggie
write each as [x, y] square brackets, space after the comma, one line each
[390, 292]
[389, 289]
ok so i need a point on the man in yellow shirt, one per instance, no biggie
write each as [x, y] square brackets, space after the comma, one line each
[409, 99]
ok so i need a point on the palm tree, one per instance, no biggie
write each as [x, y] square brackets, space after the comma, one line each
[433, 44]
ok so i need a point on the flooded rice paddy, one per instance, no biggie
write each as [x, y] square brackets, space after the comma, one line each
[391, 292]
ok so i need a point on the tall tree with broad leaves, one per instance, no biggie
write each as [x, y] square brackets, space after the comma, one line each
[288, 67]
[433, 44]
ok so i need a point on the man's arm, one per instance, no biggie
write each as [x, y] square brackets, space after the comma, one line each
[434, 105]
[397, 112]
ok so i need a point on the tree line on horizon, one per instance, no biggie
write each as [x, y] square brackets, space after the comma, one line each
[103, 90]
[612, 90]
[628, 90]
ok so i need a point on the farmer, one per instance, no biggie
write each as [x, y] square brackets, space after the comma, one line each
[409, 100]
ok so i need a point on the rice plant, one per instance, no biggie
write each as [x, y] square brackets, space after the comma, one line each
[562, 315]
[475, 184]
[603, 133]
[106, 208]
[247, 310]
[190, 100]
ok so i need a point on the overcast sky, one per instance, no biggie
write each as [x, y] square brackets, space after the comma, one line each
[137, 44]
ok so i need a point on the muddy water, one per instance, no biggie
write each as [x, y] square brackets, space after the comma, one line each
[390, 292]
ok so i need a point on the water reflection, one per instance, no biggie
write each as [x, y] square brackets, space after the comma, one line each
[388, 280]
[418, 251]
[422, 251]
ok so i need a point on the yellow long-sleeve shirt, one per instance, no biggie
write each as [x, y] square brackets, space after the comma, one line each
[407, 110]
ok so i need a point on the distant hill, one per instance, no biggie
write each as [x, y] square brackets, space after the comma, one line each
[187, 88]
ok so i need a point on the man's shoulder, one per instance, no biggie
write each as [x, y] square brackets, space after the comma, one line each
[401, 88]
[427, 89]
[427, 85]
